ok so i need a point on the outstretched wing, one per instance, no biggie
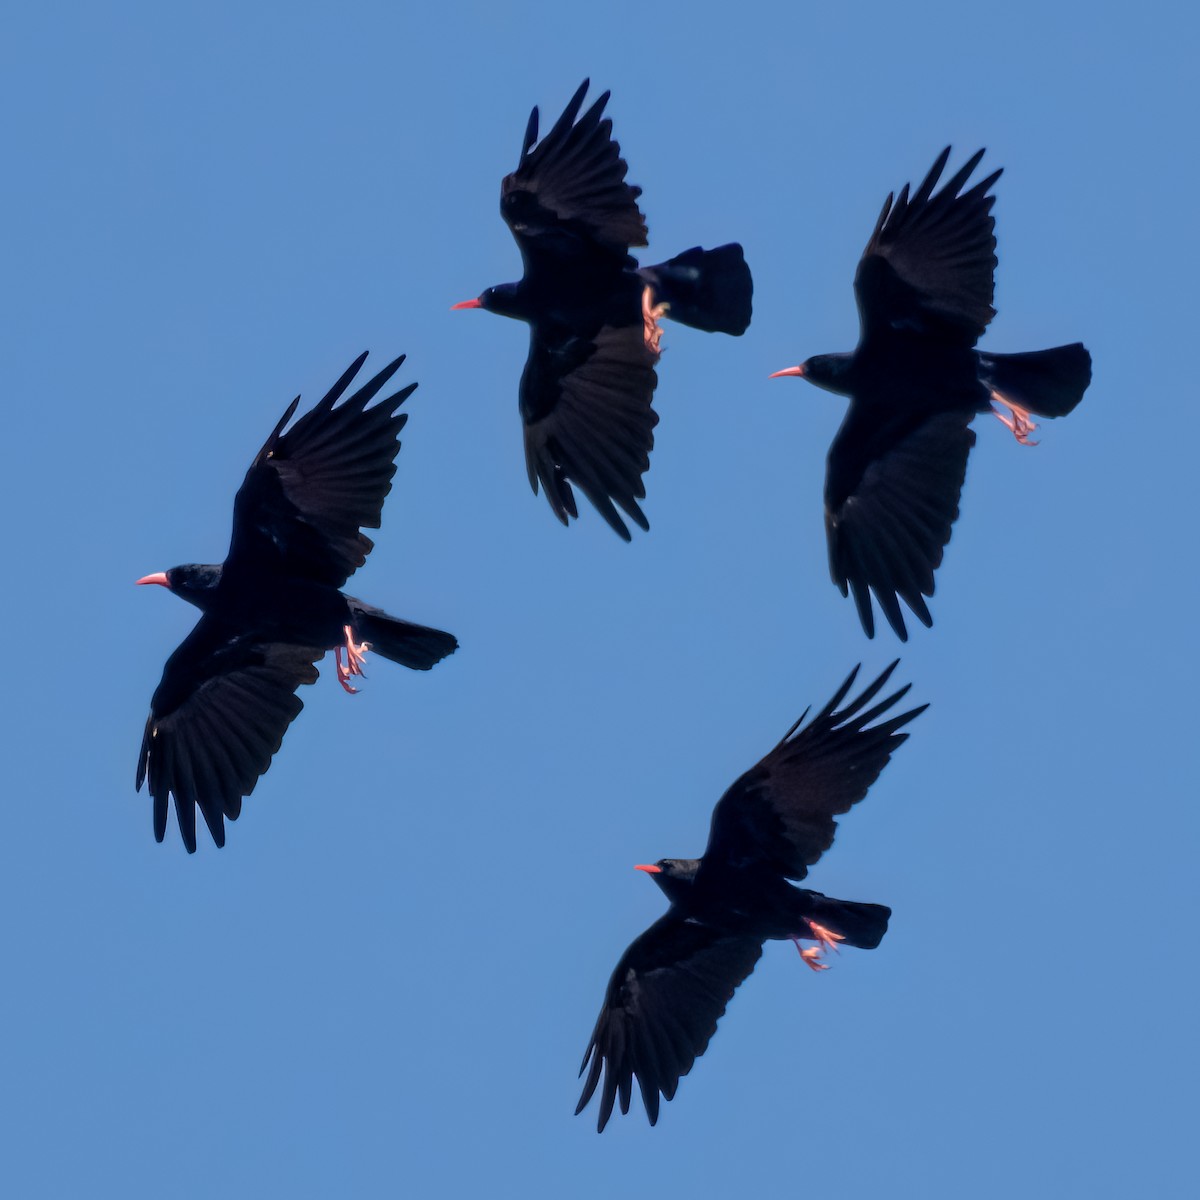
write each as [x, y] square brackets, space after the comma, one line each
[569, 191]
[586, 404]
[929, 265]
[216, 720]
[309, 491]
[661, 1008]
[891, 497]
[779, 815]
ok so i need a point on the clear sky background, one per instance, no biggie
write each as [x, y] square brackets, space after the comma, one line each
[384, 984]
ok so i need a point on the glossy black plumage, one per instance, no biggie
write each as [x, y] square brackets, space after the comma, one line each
[273, 607]
[589, 380]
[672, 985]
[896, 468]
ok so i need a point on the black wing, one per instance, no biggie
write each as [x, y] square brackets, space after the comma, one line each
[661, 1008]
[303, 501]
[780, 814]
[891, 497]
[216, 720]
[929, 265]
[588, 421]
[569, 191]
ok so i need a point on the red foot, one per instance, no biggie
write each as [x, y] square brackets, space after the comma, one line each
[825, 938]
[651, 331]
[356, 655]
[1019, 423]
[811, 956]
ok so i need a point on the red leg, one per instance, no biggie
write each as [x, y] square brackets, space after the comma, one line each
[825, 938]
[1020, 422]
[356, 655]
[811, 956]
[651, 330]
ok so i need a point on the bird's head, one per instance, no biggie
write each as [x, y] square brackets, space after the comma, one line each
[674, 875]
[193, 582]
[500, 299]
[827, 371]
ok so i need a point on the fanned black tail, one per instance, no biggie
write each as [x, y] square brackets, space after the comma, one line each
[410, 645]
[861, 925]
[1047, 382]
[706, 289]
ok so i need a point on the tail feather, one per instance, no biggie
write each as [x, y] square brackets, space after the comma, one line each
[706, 289]
[1049, 383]
[417, 646]
[860, 925]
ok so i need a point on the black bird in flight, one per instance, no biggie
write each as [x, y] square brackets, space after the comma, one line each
[672, 985]
[588, 383]
[273, 607]
[895, 471]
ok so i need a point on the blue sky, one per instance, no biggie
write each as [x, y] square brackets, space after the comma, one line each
[385, 982]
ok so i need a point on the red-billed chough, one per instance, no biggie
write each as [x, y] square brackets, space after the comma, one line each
[588, 383]
[273, 607]
[896, 467]
[672, 985]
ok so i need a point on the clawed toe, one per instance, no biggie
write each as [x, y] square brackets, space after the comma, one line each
[1020, 423]
[651, 330]
[825, 939]
[356, 656]
[812, 958]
